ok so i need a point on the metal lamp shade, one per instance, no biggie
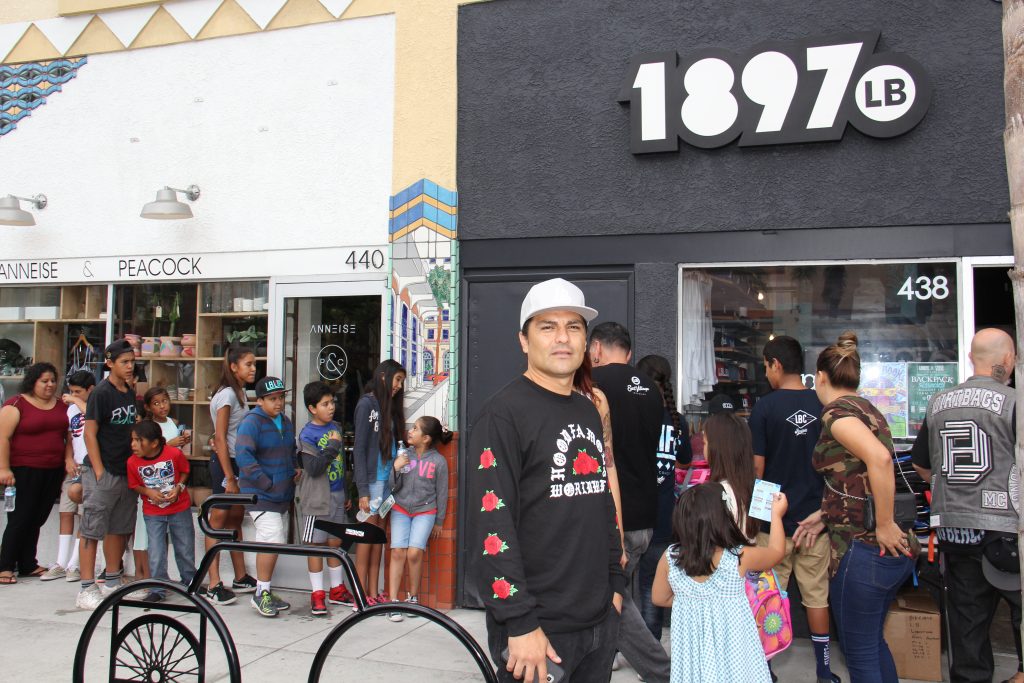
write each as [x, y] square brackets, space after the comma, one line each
[11, 212]
[166, 207]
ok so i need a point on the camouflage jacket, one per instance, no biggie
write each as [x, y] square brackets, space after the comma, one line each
[846, 474]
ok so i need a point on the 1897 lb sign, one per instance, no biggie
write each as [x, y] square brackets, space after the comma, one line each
[777, 93]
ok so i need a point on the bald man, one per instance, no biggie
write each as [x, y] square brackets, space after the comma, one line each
[967, 442]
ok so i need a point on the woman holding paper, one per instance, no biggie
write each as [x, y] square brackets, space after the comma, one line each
[869, 561]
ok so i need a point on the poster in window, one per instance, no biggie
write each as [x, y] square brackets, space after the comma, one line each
[926, 380]
[885, 385]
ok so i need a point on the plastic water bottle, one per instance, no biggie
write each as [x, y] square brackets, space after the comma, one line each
[374, 504]
[403, 450]
[9, 494]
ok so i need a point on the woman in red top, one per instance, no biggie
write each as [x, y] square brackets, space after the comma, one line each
[34, 455]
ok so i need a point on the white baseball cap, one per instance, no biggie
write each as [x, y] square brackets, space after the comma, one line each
[555, 295]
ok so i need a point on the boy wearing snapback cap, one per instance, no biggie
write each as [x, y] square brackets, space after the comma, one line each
[265, 453]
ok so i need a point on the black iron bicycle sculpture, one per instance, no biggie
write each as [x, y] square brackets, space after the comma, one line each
[157, 648]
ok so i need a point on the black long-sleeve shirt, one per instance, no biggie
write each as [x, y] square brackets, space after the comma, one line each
[543, 518]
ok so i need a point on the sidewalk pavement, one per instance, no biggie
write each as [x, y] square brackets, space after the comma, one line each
[41, 627]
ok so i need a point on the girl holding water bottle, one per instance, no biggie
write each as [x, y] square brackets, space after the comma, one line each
[379, 422]
[419, 480]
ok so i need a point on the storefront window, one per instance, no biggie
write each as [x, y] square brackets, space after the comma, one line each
[904, 314]
[65, 326]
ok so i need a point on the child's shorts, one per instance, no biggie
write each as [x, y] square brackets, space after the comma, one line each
[66, 504]
[269, 526]
[379, 489]
[411, 531]
[313, 535]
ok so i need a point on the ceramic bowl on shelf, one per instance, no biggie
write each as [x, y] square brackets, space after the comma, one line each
[188, 352]
[169, 347]
[188, 340]
[150, 347]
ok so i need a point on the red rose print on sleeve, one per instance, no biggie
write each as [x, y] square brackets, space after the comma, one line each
[503, 589]
[494, 545]
[487, 460]
[491, 502]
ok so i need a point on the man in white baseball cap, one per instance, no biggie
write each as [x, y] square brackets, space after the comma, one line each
[545, 534]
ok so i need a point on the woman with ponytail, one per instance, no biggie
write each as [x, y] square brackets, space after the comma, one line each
[673, 450]
[869, 561]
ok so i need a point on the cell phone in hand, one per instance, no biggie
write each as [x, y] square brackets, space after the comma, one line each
[555, 672]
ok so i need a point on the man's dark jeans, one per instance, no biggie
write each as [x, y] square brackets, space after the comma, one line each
[860, 594]
[653, 615]
[971, 603]
[586, 655]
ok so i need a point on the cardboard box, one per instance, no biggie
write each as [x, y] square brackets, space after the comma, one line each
[913, 632]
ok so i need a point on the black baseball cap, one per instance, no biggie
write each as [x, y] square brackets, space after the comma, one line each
[118, 348]
[268, 386]
[721, 403]
[1000, 562]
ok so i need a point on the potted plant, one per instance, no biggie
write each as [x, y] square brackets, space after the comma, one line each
[251, 337]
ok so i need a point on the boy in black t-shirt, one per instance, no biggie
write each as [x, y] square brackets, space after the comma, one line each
[785, 426]
[109, 506]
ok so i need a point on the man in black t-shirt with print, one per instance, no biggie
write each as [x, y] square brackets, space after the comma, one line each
[784, 426]
[545, 537]
[108, 505]
[636, 409]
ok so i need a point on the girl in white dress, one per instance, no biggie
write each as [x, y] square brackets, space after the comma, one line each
[714, 638]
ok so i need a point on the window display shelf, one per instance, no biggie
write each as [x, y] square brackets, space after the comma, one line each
[236, 314]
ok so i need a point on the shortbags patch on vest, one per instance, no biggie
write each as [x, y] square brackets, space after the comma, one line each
[971, 438]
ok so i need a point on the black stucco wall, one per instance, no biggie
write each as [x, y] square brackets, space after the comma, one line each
[544, 147]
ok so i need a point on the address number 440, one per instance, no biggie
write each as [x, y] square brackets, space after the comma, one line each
[799, 91]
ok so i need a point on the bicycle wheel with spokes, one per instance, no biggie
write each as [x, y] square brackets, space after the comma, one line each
[157, 649]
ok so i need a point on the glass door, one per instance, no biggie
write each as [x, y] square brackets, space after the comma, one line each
[329, 332]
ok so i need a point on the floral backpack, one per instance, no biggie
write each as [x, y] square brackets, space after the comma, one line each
[770, 605]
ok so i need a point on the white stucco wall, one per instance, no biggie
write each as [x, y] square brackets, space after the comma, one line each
[288, 134]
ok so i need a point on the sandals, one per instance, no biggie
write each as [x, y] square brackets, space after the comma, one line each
[34, 574]
[7, 579]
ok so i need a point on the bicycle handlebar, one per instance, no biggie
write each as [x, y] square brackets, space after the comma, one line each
[221, 500]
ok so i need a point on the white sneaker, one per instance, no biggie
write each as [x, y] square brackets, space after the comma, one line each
[54, 572]
[108, 586]
[618, 662]
[73, 575]
[139, 594]
[89, 599]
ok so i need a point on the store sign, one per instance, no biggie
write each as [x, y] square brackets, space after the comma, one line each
[214, 266]
[776, 93]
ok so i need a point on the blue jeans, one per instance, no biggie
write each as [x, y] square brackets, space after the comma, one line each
[653, 615]
[183, 537]
[410, 531]
[860, 594]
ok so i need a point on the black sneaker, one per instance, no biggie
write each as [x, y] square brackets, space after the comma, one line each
[246, 584]
[219, 595]
[153, 596]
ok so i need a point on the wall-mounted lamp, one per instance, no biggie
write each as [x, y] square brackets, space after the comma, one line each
[11, 212]
[167, 207]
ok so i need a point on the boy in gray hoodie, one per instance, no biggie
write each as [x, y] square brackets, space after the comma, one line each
[320, 492]
[419, 482]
